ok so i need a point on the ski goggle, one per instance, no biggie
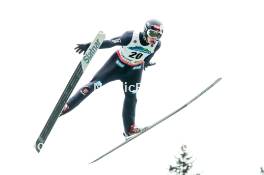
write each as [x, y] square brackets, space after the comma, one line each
[154, 33]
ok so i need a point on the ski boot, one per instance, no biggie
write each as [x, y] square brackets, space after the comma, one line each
[133, 131]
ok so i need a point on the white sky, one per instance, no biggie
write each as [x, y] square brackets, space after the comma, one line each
[203, 40]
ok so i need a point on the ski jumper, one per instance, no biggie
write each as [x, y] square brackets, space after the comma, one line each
[126, 65]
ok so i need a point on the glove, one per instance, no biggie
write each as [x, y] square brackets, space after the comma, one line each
[81, 48]
[147, 64]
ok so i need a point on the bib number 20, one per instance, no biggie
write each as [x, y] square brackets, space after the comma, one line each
[135, 55]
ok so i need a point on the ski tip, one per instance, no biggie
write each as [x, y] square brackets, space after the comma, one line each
[95, 160]
[220, 78]
[101, 33]
[39, 144]
[91, 162]
[217, 80]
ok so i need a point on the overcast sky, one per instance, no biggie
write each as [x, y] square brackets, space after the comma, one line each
[202, 40]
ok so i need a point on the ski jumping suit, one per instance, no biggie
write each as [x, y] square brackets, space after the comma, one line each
[126, 65]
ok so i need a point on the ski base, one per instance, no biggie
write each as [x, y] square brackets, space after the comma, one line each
[158, 122]
[95, 45]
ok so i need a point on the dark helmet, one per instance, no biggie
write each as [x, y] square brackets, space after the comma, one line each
[153, 28]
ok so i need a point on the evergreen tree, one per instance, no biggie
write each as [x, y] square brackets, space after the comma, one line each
[183, 163]
[261, 171]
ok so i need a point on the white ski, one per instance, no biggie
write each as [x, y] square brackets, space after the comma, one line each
[95, 45]
[158, 122]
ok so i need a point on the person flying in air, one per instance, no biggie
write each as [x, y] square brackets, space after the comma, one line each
[126, 65]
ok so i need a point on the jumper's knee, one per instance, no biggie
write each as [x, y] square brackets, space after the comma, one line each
[85, 91]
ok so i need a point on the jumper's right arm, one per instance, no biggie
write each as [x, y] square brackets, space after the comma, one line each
[117, 41]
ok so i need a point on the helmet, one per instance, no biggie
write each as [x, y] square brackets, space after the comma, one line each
[153, 28]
